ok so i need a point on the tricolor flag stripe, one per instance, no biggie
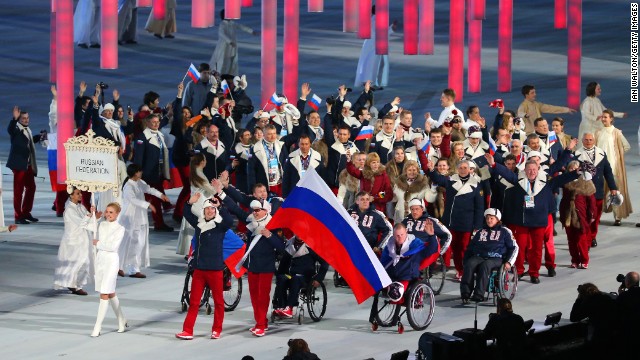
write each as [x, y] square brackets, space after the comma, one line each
[275, 100]
[425, 145]
[315, 102]
[193, 73]
[366, 132]
[553, 138]
[492, 146]
[225, 87]
[312, 212]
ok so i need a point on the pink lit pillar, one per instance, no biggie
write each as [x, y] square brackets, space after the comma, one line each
[425, 30]
[232, 9]
[560, 14]
[199, 14]
[290, 49]
[109, 34]
[382, 27]
[410, 27]
[574, 53]
[456, 47]
[364, 19]
[315, 5]
[474, 72]
[505, 39]
[145, 3]
[211, 13]
[350, 16]
[159, 9]
[269, 50]
[247, 3]
[52, 44]
[64, 83]
[477, 9]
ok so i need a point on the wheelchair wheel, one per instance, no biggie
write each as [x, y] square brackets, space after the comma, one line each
[420, 305]
[316, 299]
[186, 291]
[206, 294]
[386, 312]
[232, 290]
[508, 283]
[436, 274]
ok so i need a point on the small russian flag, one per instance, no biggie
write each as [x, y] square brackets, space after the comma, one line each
[225, 88]
[315, 102]
[425, 145]
[366, 132]
[193, 73]
[553, 138]
[492, 146]
[275, 100]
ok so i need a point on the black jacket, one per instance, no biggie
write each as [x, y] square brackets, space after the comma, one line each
[20, 150]
[182, 141]
[147, 156]
[374, 226]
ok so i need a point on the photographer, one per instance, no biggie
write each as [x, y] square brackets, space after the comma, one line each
[508, 330]
[299, 350]
[599, 308]
[628, 308]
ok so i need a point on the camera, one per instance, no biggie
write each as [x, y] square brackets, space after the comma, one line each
[103, 85]
[517, 120]
[331, 100]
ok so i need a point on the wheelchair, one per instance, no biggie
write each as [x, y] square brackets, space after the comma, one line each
[436, 274]
[232, 291]
[503, 284]
[314, 299]
[419, 305]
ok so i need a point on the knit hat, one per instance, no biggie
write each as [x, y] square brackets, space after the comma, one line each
[109, 106]
[260, 204]
[416, 202]
[475, 132]
[493, 212]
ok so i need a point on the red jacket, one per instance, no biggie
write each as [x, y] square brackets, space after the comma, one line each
[375, 183]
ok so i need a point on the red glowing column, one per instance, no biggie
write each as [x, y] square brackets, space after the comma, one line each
[52, 43]
[505, 38]
[211, 12]
[425, 30]
[290, 49]
[64, 83]
[315, 5]
[247, 3]
[382, 27]
[474, 72]
[232, 9]
[574, 53]
[145, 3]
[456, 47]
[560, 14]
[199, 14]
[269, 50]
[159, 9]
[109, 34]
[350, 16]
[364, 19]
[410, 27]
[477, 9]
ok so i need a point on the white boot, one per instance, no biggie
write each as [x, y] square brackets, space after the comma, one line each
[122, 321]
[102, 312]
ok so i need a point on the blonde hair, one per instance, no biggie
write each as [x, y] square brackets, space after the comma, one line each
[409, 164]
[371, 157]
[115, 206]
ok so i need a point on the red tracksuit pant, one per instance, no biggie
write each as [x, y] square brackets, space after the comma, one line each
[23, 183]
[260, 293]
[213, 279]
[459, 242]
[596, 224]
[549, 246]
[185, 193]
[579, 244]
[529, 241]
[158, 220]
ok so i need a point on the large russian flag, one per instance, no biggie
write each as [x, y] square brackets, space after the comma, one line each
[52, 160]
[313, 213]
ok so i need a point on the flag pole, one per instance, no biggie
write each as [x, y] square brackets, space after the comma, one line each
[184, 77]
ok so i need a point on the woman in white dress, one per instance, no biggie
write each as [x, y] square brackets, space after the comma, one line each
[591, 110]
[612, 141]
[107, 242]
[134, 252]
[225, 56]
[199, 184]
[75, 255]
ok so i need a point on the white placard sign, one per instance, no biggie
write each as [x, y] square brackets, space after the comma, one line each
[92, 163]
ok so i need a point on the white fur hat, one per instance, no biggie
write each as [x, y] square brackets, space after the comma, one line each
[347, 104]
[257, 204]
[109, 106]
[534, 153]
